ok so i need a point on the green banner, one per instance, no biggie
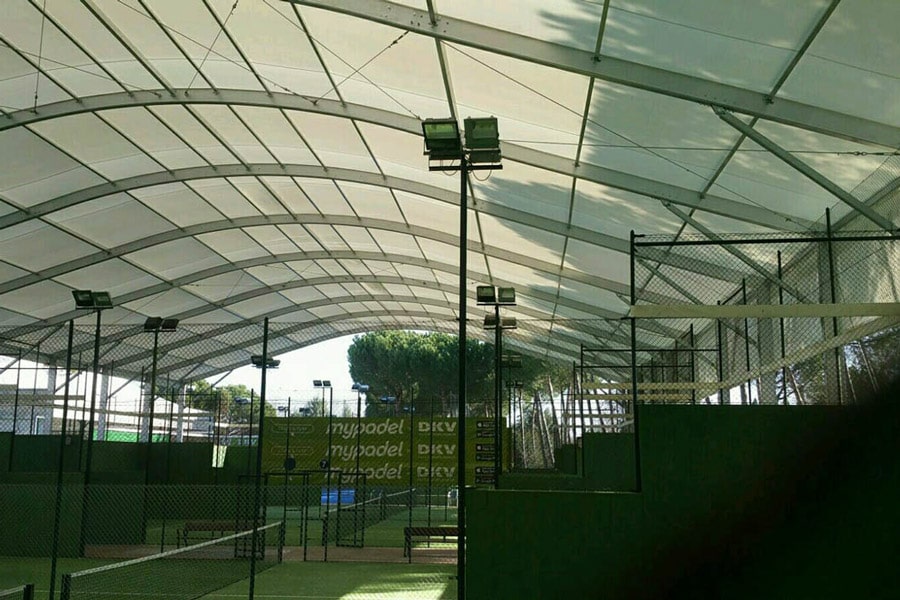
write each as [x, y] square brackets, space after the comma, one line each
[389, 449]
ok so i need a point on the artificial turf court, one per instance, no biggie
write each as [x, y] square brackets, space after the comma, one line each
[377, 570]
[290, 580]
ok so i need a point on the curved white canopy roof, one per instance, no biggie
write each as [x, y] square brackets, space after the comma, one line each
[222, 161]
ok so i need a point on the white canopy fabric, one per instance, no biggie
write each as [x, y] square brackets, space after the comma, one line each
[220, 161]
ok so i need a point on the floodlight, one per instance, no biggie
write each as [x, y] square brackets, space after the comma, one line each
[91, 299]
[506, 295]
[482, 133]
[326, 383]
[102, 300]
[83, 298]
[490, 322]
[442, 139]
[153, 323]
[363, 388]
[485, 294]
[168, 325]
[482, 140]
[270, 363]
[317, 383]
[511, 360]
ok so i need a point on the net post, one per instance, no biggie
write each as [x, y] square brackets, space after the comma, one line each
[65, 593]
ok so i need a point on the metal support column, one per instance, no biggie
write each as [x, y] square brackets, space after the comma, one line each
[57, 511]
[461, 394]
[259, 457]
[635, 412]
[832, 288]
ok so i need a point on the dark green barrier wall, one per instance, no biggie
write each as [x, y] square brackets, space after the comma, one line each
[117, 456]
[566, 459]
[5, 440]
[28, 503]
[704, 469]
[551, 544]
[40, 453]
[181, 463]
[239, 461]
[609, 461]
[541, 481]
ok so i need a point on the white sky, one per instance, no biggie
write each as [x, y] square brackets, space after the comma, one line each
[298, 369]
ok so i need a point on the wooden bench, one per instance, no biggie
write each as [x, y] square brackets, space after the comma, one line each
[212, 528]
[428, 534]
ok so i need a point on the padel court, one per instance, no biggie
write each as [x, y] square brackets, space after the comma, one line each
[433, 299]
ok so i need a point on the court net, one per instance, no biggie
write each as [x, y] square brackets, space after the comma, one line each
[344, 523]
[23, 592]
[183, 574]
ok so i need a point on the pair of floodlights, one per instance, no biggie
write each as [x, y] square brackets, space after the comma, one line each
[488, 295]
[160, 324]
[482, 140]
[92, 300]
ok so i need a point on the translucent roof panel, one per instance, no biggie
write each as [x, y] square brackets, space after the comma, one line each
[744, 45]
[221, 162]
[537, 107]
[850, 66]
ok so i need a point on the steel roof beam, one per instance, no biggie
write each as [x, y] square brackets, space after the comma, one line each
[199, 276]
[334, 220]
[805, 170]
[138, 295]
[616, 179]
[317, 172]
[618, 71]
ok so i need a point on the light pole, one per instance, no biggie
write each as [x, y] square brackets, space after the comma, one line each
[487, 295]
[481, 152]
[325, 383]
[263, 362]
[98, 302]
[57, 511]
[361, 388]
[155, 325]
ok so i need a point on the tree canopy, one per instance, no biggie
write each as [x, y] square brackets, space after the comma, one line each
[404, 369]
[231, 403]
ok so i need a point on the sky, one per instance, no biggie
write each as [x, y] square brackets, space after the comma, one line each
[294, 376]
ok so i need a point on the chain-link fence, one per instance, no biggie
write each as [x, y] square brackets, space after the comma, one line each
[827, 295]
[144, 388]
